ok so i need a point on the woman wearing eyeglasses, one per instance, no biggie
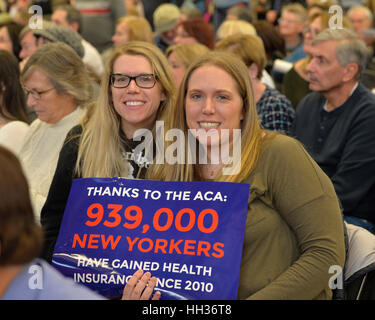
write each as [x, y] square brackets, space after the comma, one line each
[137, 89]
[57, 86]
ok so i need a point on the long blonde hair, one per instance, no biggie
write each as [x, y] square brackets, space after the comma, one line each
[100, 148]
[251, 132]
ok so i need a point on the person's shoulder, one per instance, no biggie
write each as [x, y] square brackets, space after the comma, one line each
[72, 139]
[35, 131]
[15, 127]
[36, 124]
[277, 147]
[277, 143]
[75, 131]
[284, 155]
[58, 287]
[310, 102]
[364, 97]
[277, 96]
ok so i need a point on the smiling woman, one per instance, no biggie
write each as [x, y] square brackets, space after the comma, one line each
[137, 99]
[286, 245]
[213, 105]
[137, 89]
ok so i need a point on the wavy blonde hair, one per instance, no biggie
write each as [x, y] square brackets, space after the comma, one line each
[230, 27]
[139, 28]
[187, 52]
[251, 132]
[100, 148]
[248, 47]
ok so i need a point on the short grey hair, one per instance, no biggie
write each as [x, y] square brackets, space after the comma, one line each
[72, 15]
[297, 9]
[351, 48]
[364, 9]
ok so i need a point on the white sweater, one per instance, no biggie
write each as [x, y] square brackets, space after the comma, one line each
[40, 152]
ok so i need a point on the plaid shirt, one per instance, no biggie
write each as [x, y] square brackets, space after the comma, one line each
[275, 111]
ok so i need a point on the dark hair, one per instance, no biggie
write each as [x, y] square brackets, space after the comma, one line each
[272, 40]
[72, 14]
[201, 30]
[20, 236]
[12, 102]
[14, 30]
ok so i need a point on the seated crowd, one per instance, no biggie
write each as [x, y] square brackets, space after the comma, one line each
[297, 79]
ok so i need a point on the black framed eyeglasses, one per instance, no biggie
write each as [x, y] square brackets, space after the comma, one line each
[145, 80]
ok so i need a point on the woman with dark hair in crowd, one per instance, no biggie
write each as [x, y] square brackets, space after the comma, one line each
[195, 30]
[13, 114]
[9, 41]
[272, 40]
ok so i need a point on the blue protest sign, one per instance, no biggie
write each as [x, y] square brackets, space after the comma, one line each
[187, 234]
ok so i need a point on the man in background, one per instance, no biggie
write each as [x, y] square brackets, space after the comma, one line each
[166, 18]
[99, 18]
[362, 21]
[70, 17]
[336, 122]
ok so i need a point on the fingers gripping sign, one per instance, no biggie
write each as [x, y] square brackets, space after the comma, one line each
[140, 287]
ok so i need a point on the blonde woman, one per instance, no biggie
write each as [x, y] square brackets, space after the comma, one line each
[129, 28]
[275, 111]
[294, 229]
[132, 28]
[229, 27]
[137, 89]
[180, 56]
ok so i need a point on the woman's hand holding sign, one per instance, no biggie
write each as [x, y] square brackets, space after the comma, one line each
[140, 287]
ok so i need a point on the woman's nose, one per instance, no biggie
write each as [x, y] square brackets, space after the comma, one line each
[209, 107]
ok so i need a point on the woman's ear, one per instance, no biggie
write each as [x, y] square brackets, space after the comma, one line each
[253, 71]
[163, 96]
